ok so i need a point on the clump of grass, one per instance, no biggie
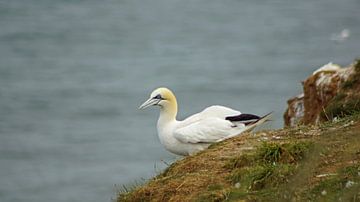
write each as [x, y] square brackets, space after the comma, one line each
[270, 152]
[284, 153]
[341, 108]
[268, 167]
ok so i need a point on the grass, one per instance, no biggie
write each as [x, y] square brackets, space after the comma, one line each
[341, 107]
[345, 185]
[347, 100]
[304, 163]
[268, 168]
[252, 169]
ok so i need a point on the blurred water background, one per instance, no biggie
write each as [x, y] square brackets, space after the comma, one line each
[73, 73]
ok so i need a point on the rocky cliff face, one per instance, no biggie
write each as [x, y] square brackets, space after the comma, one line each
[320, 89]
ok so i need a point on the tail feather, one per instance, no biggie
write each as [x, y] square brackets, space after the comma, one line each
[261, 120]
[251, 125]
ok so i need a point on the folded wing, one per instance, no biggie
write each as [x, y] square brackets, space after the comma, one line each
[206, 130]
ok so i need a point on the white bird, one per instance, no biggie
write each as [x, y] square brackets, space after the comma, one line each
[197, 132]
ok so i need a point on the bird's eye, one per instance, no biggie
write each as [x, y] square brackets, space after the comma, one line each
[158, 97]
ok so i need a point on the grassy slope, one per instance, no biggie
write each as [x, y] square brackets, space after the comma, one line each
[316, 163]
[305, 163]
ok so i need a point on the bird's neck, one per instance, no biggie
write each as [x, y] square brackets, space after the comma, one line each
[168, 112]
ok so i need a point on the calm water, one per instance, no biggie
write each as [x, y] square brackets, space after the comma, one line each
[72, 74]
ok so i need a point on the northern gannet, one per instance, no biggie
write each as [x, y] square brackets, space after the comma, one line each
[197, 132]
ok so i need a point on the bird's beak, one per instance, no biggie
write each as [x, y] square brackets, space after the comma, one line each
[148, 103]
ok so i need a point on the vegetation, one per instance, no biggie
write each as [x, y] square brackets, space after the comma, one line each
[306, 163]
[347, 101]
[303, 163]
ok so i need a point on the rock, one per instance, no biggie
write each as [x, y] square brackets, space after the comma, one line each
[319, 89]
[295, 110]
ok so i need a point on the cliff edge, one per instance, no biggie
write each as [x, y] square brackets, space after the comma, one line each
[304, 162]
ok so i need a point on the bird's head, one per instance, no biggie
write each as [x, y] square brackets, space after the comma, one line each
[162, 97]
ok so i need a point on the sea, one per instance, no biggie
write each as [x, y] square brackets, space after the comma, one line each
[74, 72]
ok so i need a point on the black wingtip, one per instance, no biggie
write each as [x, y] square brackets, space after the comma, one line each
[247, 119]
[242, 117]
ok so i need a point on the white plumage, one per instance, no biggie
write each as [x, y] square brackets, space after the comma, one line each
[197, 132]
